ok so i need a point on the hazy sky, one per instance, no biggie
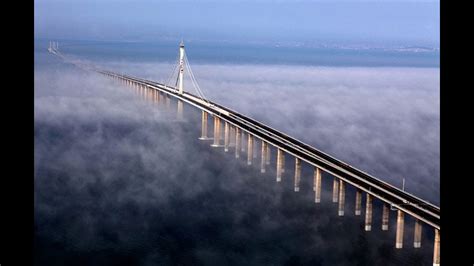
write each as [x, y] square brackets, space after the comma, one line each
[360, 22]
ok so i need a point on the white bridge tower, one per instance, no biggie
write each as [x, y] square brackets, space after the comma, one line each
[181, 68]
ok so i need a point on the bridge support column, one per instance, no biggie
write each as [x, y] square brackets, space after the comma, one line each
[249, 149]
[217, 131]
[400, 228]
[180, 109]
[226, 137]
[267, 150]
[238, 142]
[342, 197]
[203, 125]
[279, 164]
[368, 212]
[417, 237]
[264, 159]
[335, 189]
[436, 249]
[297, 174]
[255, 148]
[358, 202]
[317, 185]
[147, 92]
[385, 217]
[243, 142]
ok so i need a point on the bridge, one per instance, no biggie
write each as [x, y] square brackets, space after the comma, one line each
[242, 134]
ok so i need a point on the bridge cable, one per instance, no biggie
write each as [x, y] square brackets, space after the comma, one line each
[194, 81]
[172, 72]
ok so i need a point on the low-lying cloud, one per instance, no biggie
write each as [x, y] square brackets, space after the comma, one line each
[384, 121]
[121, 181]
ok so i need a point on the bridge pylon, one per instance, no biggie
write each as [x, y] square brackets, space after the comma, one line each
[181, 68]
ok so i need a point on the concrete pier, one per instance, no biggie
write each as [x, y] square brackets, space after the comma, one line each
[385, 216]
[238, 142]
[226, 137]
[297, 174]
[267, 150]
[342, 197]
[264, 155]
[217, 131]
[279, 164]
[249, 149]
[417, 236]
[168, 101]
[317, 185]
[203, 125]
[368, 212]
[400, 228]
[255, 148]
[243, 142]
[358, 202]
[436, 249]
[231, 136]
[180, 110]
[335, 190]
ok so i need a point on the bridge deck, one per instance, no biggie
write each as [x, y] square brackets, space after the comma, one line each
[416, 207]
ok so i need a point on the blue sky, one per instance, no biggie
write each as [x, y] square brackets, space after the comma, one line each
[348, 22]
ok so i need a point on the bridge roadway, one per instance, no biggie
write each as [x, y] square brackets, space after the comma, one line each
[410, 204]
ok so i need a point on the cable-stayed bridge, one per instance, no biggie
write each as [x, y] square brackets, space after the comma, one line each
[242, 133]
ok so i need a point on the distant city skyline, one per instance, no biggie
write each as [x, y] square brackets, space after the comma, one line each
[375, 23]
